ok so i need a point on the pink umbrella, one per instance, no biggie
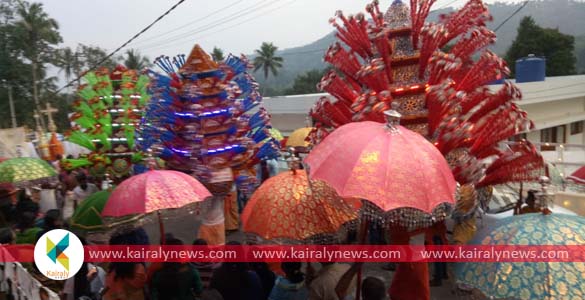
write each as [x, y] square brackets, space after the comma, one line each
[578, 176]
[388, 165]
[154, 191]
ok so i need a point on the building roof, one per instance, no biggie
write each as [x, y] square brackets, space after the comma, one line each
[553, 88]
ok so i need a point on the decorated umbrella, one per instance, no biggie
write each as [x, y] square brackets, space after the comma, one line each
[87, 217]
[578, 176]
[405, 179]
[299, 137]
[529, 280]
[153, 191]
[388, 165]
[289, 207]
[25, 172]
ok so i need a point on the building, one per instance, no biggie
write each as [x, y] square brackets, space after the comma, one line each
[556, 105]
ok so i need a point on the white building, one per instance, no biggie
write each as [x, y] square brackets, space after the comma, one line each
[556, 105]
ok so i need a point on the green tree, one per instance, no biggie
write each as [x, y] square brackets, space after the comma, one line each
[134, 60]
[557, 48]
[217, 54]
[95, 57]
[267, 60]
[36, 34]
[14, 72]
[306, 83]
[69, 62]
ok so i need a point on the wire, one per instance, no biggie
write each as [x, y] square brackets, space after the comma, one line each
[208, 26]
[223, 29]
[213, 13]
[512, 15]
[123, 45]
[443, 6]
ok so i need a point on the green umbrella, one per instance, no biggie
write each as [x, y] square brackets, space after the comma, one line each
[26, 171]
[529, 280]
[87, 217]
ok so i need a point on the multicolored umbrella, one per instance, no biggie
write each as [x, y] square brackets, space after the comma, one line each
[298, 137]
[390, 166]
[87, 217]
[153, 191]
[25, 171]
[289, 207]
[529, 280]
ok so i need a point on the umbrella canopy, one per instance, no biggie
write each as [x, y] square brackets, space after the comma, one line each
[298, 137]
[391, 167]
[288, 207]
[578, 176]
[529, 280]
[87, 217]
[152, 191]
[26, 171]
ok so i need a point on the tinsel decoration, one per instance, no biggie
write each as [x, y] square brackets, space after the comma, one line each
[105, 119]
[441, 95]
[200, 119]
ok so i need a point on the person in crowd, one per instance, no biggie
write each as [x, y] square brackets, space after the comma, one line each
[232, 218]
[26, 231]
[373, 289]
[292, 285]
[7, 236]
[437, 235]
[530, 205]
[26, 203]
[205, 269]
[83, 190]
[210, 294]
[87, 282]
[212, 227]
[322, 286]
[267, 277]
[234, 281]
[125, 280]
[52, 220]
[175, 280]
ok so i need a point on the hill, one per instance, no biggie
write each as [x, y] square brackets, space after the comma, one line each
[566, 15]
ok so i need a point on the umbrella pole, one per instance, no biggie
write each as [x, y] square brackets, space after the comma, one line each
[363, 237]
[161, 227]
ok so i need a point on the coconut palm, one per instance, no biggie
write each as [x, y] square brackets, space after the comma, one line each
[135, 61]
[267, 60]
[217, 54]
[36, 32]
[68, 62]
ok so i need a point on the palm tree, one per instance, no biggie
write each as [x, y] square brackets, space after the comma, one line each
[217, 54]
[135, 61]
[35, 33]
[68, 62]
[267, 59]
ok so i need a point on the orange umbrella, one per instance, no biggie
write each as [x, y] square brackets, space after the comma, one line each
[298, 137]
[288, 207]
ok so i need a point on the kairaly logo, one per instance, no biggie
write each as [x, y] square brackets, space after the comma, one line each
[59, 254]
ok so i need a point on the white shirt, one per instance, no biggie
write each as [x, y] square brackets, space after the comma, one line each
[81, 194]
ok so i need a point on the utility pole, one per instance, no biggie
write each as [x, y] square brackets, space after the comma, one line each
[11, 103]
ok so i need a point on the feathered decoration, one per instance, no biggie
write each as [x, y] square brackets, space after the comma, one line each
[198, 119]
[106, 115]
[397, 58]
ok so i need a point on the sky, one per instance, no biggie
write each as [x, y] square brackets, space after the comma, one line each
[236, 26]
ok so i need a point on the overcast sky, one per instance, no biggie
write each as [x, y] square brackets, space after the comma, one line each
[237, 26]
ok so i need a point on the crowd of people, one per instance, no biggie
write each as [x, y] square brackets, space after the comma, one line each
[26, 214]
